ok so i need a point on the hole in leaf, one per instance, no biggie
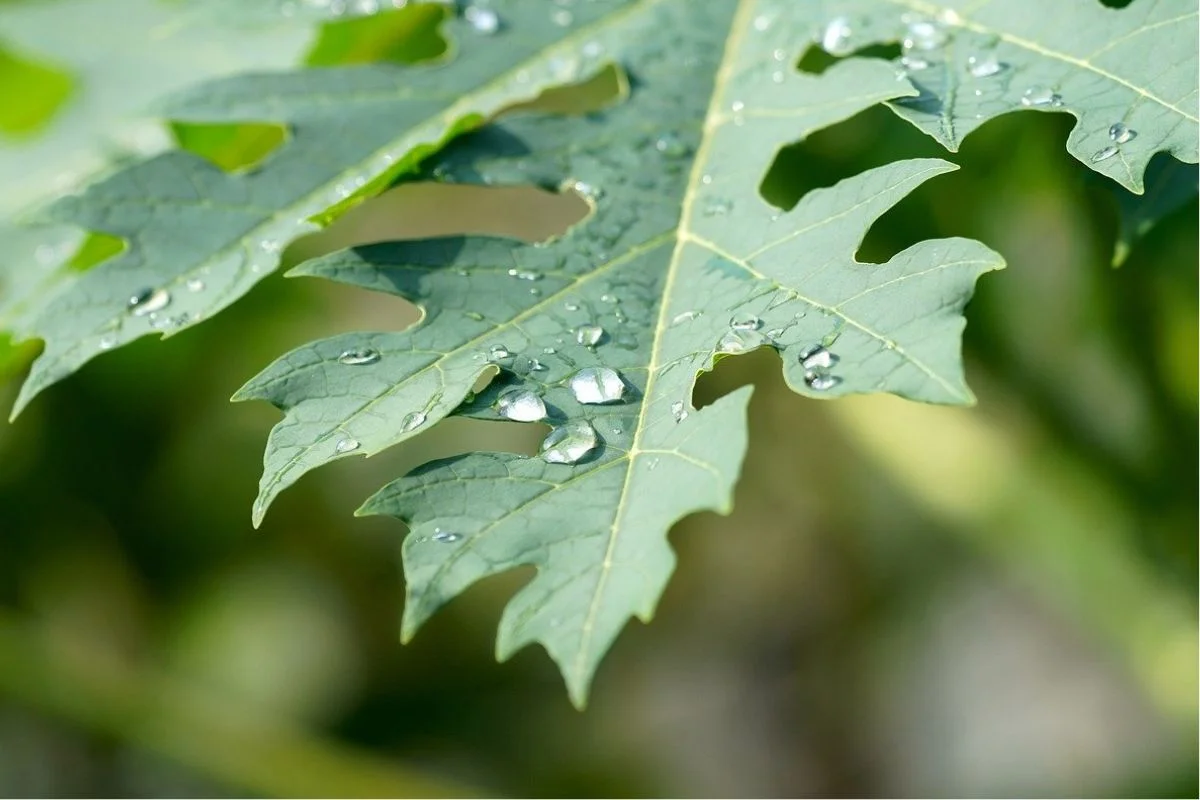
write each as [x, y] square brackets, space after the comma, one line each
[424, 210]
[608, 86]
[815, 60]
[231, 147]
[403, 36]
[95, 248]
[31, 92]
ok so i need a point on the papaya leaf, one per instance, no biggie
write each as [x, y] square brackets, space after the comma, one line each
[602, 332]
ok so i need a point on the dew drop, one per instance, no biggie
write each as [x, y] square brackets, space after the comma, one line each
[748, 322]
[1036, 96]
[740, 341]
[913, 63]
[1121, 133]
[346, 445]
[549, 351]
[107, 342]
[985, 66]
[762, 22]
[924, 35]
[149, 301]
[570, 442]
[521, 405]
[597, 385]
[589, 335]
[358, 356]
[195, 285]
[525, 274]
[679, 411]
[1105, 153]
[483, 20]
[716, 206]
[819, 382]
[835, 38]
[475, 315]
[446, 537]
[498, 353]
[609, 298]
[562, 18]
[412, 421]
[817, 357]
[671, 145]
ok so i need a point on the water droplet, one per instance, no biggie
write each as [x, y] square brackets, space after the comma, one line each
[149, 301]
[913, 63]
[483, 20]
[779, 54]
[817, 357]
[671, 145]
[195, 285]
[568, 443]
[475, 315]
[679, 411]
[706, 179]
[684, 316]
[589, 335]
[609, 298]
[498, 353]
[652, 464]
[736, 106]
[587, 190]
[1105, 153]
[597, 385]
[107, 342]
[835, 38]
[739, 341]
[521, 405]
[762, 22]
[1040, 96]
[777, 76]
[593, 49]
[346, 445]
[549, 351]
[985, 66]
[716, 206]
[820, 382]
[525, 274]
[562, 17]
[359, 356]
[412, 421]
[924, 35]
[748, 322]
[446, 537]
[1121, 133]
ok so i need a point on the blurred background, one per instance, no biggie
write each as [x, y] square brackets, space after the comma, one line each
[907, 601]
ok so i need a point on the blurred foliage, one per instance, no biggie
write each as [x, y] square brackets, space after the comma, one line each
[908, 600]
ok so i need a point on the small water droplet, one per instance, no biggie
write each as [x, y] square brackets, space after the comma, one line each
[748, 322]
[736, 106]
[412, 421]
[1121, 133]
[762, 22]
[706, 179]
[149, 301]
[549, 351]
[679, 411]
[562, 17]
[107, 342]
[483, 20]
[587, 190]
[475, 315]
[609, 298]
[571, 306]
[924, 35]
[593, 49]
[589, 335]
[521, 405]
[446, 537]
[817, 357]
[671, 145]
[716, 206]
[1036, 96]
[819, 382]
[652, 464]
[835, 38]
[195, 285]
[684, 316]
[913, 63]
[346, 445]
[358, 356]
[570, 442]
[740, 341]
[498, 353]
[525, 274]
[985, 66]
[1105, 153]
[597, 385]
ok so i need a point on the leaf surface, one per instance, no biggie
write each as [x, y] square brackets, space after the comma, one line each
[681, 262]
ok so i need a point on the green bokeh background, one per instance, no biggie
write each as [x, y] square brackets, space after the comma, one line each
[907, 601]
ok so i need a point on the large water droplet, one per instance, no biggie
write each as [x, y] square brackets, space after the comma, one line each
[358, 356]
[412, 421]
[346, 445]
[740, 340]
[1121, 133]
[596, 385]
[1036, 96]
[446, 537]
[817, 357]
[570, 442]
[149, 301]
[483, 20]
[820, 382]
[835, 38]
[589, 335]
[521, 405]
[498, 353]
[747, 322]
[1105, 153]
[984, 66]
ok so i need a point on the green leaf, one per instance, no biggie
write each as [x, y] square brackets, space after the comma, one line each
[205, 237]
[1170, 185]
[681, 263]
[973, 61]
